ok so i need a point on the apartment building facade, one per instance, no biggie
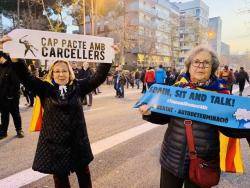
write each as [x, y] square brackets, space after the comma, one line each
[194, 17]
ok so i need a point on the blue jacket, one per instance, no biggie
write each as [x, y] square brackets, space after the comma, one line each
[160, 76]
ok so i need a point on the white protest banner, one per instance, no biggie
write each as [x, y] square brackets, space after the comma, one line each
[45, 45]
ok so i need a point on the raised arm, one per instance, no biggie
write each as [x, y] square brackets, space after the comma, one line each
[235, 133]
[32, 83]
[89, 84]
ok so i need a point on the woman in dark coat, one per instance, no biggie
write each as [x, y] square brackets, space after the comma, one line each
[63, 144]
[201, 66]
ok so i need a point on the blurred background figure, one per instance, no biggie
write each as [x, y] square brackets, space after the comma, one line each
[137, 78]
[241, 79]
[86, 73]
[150, 77]
[143, 73]
[75, 68]
[9, 99]
[160, 75]
[227, 76]
[119, 82]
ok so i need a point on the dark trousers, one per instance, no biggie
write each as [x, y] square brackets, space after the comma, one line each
[168, 180]
[149, 84]
[119, 90]
[248, 141]
[241, 86]
[31, 98]
[144, 87]
[83, 176]
[11, 106]
[137, 82]
[89, 100]
[26, 95]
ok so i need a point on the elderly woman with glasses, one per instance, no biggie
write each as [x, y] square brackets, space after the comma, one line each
[63, 144]
[201, 66]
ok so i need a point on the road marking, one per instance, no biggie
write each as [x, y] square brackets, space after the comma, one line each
[113, 94]
[28, 176]
[92, 109]
[121, 137]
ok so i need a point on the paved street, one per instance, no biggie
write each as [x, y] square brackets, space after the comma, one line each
[126, 148]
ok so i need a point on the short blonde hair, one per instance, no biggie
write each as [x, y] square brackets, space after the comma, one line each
[71, 72]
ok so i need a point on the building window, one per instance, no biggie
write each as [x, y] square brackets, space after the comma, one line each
[197, 12]
[106, 28]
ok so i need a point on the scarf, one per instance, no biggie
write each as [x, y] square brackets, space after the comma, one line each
[62, 93]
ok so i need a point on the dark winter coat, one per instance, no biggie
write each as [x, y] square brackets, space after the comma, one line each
[174, 152]
[85, 74]
[137, 75]
[63, 144]
[9, 84]
[242, 77]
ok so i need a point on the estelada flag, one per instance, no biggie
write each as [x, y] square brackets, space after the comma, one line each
[37, 115]
[230, 155]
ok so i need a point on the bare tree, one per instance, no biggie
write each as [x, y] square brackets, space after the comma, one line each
[36, 14]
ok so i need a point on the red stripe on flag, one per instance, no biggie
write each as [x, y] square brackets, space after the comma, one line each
[39, 121]
[231, 151]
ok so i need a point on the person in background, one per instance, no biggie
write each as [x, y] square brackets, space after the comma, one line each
[236, 72]
[9, 97]
[33, 71]
[150, 77]
[227, 76]
[232, 82]
[173, 76]
[137, 78]
[75, 69]
[109, 79]
[142, 78]
[241, 79]
[119, 82]
[86, 73]
[116, 76]
[160, 75]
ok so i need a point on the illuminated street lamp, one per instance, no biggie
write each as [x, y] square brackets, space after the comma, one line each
[211, 35]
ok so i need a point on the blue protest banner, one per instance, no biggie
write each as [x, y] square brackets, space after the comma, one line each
[207, 107]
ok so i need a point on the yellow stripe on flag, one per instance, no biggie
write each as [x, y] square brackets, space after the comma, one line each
[223, 151]
[230, 151]
[35, 124]
[238, 158]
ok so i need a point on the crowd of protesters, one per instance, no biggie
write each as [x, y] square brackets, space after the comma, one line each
[230, 77]
[143, 78]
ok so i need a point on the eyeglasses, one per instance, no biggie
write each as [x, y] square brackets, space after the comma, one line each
[197, 63]
[63, 72]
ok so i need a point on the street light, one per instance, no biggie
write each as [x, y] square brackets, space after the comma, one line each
[211, 35]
